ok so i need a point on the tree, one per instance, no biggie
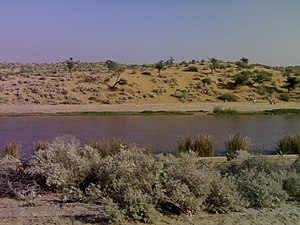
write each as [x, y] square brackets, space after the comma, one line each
[261, 77]
[214, 64]
[116, 69]
[244, 60]
[242, 78]
[70, 65]
[170, 61]
[292, 83]
[159, 66]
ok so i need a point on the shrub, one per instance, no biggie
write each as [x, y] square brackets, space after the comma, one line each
[207, 81]
[203, 145]
[254, 185]
[191, 69]
[254, 175]
[64, 163]
[235, 143]
[296, 165]
[228, 97]
[223, 197]
[292, 185]
[108, 147]
[289, 144]
[42, 145]
[284, 97]
[148, 73]
[12, 149]
[221, 111]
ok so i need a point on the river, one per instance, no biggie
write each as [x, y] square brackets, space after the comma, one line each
[158, 132]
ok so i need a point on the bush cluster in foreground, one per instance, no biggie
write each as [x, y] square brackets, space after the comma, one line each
[130, 183]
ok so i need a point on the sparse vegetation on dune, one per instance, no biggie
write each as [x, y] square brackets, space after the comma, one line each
[110, 82]
[130, 183]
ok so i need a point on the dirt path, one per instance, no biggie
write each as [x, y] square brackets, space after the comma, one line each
[242, 107]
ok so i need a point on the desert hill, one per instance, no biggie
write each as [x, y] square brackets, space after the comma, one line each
[195, 81]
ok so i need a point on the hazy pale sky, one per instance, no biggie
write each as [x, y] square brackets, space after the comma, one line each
[146, 31]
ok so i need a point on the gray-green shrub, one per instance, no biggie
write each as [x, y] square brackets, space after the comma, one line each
[292, 185]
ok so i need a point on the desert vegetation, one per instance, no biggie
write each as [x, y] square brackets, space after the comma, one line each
[131, 183]
[73, 82]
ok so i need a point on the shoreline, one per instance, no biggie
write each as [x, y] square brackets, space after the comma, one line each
[172, 107]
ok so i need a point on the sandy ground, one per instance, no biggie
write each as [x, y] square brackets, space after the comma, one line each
[51, 212]
[243, 107]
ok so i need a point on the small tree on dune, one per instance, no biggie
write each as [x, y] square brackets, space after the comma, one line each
[159, 66]
[292, 83]
[115, 69]
[214, 64]
[70, 65]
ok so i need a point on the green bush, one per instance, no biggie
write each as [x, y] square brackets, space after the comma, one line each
[221, 111]
[235, 143]
[203, 145]
[284, 97]
[207, 81]
[228, 97]
[289, 144]
[191, 69]
[242, 78]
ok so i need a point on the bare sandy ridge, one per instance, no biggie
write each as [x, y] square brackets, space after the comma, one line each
[242, 107]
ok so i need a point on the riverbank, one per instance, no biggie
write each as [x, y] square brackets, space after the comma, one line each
[179, 107]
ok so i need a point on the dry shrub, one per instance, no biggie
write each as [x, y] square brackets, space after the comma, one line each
[108, 147]
[235, 143]
[12, 149]
[203, 145]
[289, 144]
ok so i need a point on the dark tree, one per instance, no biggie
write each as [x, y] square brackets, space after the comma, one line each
[115, 69]
[214, 64]
[262, 77]
[70, 65]
[244, 60]
[292, 83]
[159, 66]
[170, 61]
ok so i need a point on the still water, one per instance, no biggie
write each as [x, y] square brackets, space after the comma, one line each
[161, 133]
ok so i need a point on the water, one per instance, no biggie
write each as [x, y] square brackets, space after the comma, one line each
[159, 132]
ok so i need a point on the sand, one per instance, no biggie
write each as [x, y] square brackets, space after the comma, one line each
[242, 107]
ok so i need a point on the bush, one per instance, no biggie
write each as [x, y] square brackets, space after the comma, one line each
[221, 111]
[12, 149]
[235, 143]
[289, 144]
[284, 97]
[148, 73]
[254, 175]
[64, 163]
[207, 81]
[203, 145]
[108, 147]
[262, 76]
[292, 185]
[254, 185]
[191, 69]
[228, 97]
[223, 197]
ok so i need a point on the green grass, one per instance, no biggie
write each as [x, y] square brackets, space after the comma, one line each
[282, 112]
[227, 111]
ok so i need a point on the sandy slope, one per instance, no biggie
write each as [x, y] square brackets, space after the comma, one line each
[244, 107]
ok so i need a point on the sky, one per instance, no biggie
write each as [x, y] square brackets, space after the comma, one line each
[146, 31]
